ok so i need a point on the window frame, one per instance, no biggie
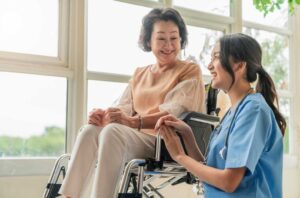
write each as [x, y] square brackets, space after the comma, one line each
[71, 63]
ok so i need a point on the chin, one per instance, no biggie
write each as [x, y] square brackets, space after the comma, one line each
[215, 84]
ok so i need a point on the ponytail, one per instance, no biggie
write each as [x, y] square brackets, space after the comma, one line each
[266, 87]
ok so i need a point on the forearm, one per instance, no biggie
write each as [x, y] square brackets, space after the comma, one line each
[192, 147]
[226, 180]
[146, 121]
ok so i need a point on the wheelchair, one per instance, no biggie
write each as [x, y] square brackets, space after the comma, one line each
[139, 173]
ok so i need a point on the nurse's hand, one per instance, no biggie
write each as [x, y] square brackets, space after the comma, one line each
[178, 125]
[172, 142]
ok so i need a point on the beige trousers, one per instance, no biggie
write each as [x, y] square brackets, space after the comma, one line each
[111, 146]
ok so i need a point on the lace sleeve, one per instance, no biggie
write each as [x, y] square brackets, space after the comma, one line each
[125, 101]
[188, 95]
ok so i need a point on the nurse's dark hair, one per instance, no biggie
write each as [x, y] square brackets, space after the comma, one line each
[161, 14]
[243, 48]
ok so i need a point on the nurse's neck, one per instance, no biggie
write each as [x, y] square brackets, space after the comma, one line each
[238, 91]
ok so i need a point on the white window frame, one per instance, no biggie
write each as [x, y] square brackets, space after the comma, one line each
[72, 64]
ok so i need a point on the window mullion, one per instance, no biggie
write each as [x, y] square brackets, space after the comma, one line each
[236, 13]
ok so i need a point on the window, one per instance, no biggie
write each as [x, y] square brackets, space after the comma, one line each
[200, 44]
[29, 27]
[284, 104]
[212, 6]
[36, 36]
[275, 55]
[102, 94]
[275, 43]
[276, 18]
[33, 115]
[113, 44]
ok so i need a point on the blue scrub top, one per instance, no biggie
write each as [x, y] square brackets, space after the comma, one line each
[255, 142]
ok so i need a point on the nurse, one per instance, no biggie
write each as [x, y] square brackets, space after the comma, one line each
[245, 151]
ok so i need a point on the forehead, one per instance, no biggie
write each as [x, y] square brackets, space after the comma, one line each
[162, 27]
[217, 47]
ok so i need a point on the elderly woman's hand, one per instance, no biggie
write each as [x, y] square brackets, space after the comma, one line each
[96, 117]
[173, 122]
[116, 115]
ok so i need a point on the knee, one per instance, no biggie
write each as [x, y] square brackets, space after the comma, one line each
[111, 133]
[88, 133]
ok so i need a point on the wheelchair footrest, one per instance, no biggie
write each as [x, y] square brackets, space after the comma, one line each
[130, 195]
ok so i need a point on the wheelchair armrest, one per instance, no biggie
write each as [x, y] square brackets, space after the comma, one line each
[186, 117]
[199, 117]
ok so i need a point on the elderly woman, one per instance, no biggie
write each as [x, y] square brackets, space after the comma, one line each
[116, 135]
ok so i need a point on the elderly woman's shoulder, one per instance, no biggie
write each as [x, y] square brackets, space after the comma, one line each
[190, 65]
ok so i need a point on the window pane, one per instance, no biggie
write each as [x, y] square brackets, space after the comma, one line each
[275, 55]
[98, 97]
[113, 44]
[32, 116]
[29, 27]
[284, 107]
[200, 45]
[278, 18]
[212, 6]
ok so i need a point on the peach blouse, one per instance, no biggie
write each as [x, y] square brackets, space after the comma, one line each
[176, 90]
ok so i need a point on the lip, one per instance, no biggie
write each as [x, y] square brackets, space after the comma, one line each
[167, 53]
[213, 74]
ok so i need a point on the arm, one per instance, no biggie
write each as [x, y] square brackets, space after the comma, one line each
[227, 179]
[146, 122]
[186, 133]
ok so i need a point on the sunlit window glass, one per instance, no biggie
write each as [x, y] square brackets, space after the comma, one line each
[29, 27]
[212, 6]
[32, 116]
[200, 44]
[98, 97]
[278, 18]
[284, 107]
[113, 44]
[275, 55]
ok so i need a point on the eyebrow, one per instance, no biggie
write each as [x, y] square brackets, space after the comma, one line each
[215, 53]
[161, 32]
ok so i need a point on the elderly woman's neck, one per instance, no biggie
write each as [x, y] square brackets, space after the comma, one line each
[161, 67]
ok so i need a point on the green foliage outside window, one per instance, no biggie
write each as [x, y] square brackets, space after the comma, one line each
[50, 143]
[267, 6]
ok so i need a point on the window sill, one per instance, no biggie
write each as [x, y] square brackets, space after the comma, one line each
[26, 166]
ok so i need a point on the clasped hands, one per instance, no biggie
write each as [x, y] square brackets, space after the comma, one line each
[167, 126]
[100, 117]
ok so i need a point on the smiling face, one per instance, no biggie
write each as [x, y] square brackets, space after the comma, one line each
[221, 79]
[165, 42]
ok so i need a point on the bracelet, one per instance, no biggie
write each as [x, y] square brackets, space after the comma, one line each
[140, 123]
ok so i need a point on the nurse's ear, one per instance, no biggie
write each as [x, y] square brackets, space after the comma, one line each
[240, 68]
